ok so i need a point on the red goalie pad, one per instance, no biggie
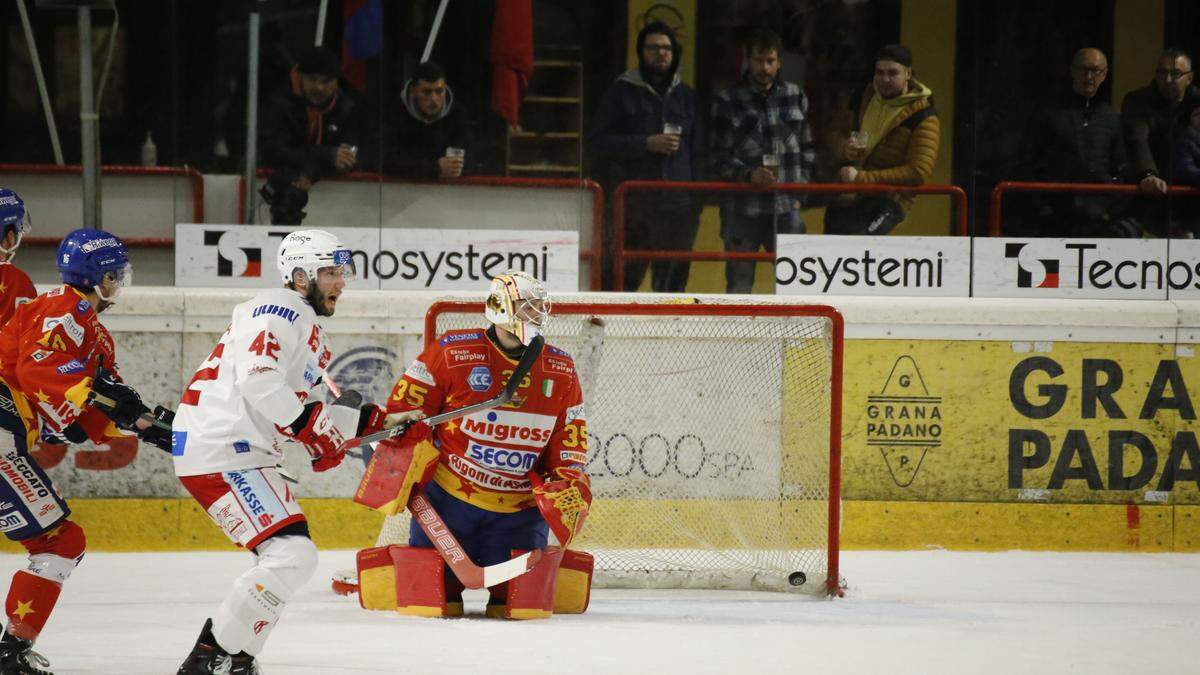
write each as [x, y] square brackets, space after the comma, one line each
[398, 467]
[564, 501]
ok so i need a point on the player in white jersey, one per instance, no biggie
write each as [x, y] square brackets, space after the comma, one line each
[254, 393]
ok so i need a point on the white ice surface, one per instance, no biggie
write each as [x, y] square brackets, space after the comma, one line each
[920, 612]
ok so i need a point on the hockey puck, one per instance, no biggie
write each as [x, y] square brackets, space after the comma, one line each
[797, 578]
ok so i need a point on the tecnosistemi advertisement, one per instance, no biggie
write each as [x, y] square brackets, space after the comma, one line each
[857, 265]
[243, 256]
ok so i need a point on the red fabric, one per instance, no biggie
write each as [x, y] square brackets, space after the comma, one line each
[67, 540]
[512, 56]
[30, 601]
[15, 290]
[49, 354]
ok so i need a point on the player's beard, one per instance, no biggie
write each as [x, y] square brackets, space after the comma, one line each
[318, 300]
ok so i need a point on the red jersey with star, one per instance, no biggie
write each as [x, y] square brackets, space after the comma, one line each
[16, 289]
[49, 351]
[486, 456]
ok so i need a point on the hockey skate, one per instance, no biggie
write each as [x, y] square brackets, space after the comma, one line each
[207, 658]
[18, 658]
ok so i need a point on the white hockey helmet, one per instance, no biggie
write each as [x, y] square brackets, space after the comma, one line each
[311, 250]
[519, 304]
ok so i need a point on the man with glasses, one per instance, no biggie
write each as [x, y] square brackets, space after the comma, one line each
[1076, 140]
[1149, 116]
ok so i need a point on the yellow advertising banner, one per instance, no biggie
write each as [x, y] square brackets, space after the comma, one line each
[680, 15]
[967, 421]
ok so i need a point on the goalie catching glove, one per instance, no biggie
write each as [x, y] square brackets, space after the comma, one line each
[563, 500]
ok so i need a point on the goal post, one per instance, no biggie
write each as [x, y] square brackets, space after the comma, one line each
[714, 433]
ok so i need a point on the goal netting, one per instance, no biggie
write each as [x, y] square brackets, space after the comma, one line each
[713, 440]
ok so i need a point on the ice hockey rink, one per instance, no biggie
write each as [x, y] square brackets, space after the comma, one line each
[909, 612]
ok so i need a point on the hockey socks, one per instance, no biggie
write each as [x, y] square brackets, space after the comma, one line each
[30, 600]
[255, 603]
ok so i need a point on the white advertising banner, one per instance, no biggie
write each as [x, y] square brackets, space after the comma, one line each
[243, 256]
[1102, 269]
[808, 264]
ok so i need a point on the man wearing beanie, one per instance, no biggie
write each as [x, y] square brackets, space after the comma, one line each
[896, 143]
[309, 130]
[645, 129]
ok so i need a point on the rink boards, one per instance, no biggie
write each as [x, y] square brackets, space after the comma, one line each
[967, 424]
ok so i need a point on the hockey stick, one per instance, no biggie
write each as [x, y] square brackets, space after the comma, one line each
[510, 389]
[470, 574]
[106, 403]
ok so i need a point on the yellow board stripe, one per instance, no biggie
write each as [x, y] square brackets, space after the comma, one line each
[181, 525]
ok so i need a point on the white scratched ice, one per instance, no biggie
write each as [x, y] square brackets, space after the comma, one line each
[1017, 613]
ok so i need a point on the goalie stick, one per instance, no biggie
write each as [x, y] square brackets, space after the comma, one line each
[471, 575]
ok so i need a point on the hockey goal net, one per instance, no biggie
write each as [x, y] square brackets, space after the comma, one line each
[714, 440]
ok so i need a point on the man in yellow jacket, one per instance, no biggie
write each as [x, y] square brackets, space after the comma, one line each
[892, 138]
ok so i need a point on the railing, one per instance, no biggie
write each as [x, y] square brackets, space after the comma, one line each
[193, 175]
[593, 255]
[620, 254]
[1077, 188]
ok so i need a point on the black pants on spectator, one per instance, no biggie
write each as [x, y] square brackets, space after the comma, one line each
[667, 229]
[866, 214]
[747, 234]
[287, 202]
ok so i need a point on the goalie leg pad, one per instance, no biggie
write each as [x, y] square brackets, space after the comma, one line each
[405, 579]
[573, 586]
[531, 595]
[396, 469]
[256, 601]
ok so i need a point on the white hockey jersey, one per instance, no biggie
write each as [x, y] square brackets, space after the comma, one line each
[270, 359]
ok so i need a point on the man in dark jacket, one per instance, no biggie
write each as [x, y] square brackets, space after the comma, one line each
[1150, 120]
[429, 137]
[309, 131]
[1077, 140]
[645, 129]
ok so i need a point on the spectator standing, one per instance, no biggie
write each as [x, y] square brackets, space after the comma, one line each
[1077, 140]
[645, 129]
[310, 130]
[1150, 120]
[761, 135]
[1187, 160]
[892, 137]
[430, 136]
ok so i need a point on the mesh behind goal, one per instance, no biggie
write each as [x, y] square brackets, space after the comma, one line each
[714, 440]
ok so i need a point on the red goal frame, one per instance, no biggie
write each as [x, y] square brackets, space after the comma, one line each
[832, 581]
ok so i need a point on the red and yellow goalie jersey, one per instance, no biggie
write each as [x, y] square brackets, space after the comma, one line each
[16, 289]
[49, 351]
[486, 456]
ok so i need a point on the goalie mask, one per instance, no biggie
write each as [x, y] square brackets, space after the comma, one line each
[519, 304]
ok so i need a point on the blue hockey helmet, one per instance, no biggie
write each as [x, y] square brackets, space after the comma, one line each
[13, 217]
[85, 256]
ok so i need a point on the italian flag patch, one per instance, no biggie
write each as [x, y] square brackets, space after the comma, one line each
[547, 388]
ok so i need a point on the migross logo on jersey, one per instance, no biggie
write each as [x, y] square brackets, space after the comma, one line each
[505, 426]
[513, 461]
[480, 378]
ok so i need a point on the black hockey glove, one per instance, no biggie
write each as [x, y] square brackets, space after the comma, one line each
[159, 435]
[125, 407]
[72, 433]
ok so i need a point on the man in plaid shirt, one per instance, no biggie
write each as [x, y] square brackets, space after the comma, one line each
[760, 135]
